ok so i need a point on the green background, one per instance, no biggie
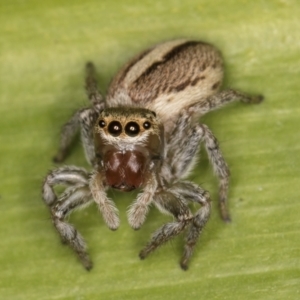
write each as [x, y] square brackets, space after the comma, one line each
[44, 46]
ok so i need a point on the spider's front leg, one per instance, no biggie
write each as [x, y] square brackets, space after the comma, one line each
[171, 203]
[174, 201]
[193, 193]
[76, 195]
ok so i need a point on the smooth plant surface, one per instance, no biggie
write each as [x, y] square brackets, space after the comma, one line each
[44, 47]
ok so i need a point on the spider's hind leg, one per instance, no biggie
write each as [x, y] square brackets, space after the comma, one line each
[223, 98]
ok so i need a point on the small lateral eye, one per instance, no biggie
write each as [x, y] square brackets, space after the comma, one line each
[147, 125]
[115, 128]
[132, 129]
[102, 123]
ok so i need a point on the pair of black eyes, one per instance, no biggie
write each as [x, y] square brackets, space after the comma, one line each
[131, 128]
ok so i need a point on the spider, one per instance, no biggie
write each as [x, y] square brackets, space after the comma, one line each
[145, 135]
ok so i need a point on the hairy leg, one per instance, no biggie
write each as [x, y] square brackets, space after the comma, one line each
[174, 201]
[84, 118]
[138, 210]
[68, 176]
[91, 85]
[76, 195]
[192, 192]
[68, 133]
[87, 119]
[105, 205]
[171, 203]
[222, 98]
[220, 168]
[75, 198]
[182, 150]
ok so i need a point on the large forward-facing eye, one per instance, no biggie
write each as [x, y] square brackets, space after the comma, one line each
[115, 128]
[132, 129]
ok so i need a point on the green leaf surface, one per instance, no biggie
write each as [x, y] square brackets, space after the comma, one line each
[44, 46]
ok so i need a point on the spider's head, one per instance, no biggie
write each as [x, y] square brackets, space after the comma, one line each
[127, 141]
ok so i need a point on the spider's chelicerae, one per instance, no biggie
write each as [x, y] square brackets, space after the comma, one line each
[145, 135]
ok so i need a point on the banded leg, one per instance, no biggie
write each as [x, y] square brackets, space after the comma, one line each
[68, 133]
[84, 118]
[182, 151]
[75, 196]
[68, 176]
[222, 98]
[220, 167]
[91, 85]
[87, 119]
[73, 199]
[174, 204]
[193, 193]
[182, 147]
[89, 116]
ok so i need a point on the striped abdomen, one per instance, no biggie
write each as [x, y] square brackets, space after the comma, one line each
[168, 77]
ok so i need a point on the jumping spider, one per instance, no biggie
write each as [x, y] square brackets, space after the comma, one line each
[145, 136]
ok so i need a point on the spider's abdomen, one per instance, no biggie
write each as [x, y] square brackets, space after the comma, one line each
[168, 77]
[124, 170]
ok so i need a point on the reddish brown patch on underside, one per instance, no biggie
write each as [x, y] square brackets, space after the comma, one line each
[124, 170]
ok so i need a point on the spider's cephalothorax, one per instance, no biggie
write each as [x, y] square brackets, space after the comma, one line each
[145, 136]
[128, 146]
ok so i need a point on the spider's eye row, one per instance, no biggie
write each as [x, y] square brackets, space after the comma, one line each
[115, 128]
[132, 129]
[147, 125]
[102, 123]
